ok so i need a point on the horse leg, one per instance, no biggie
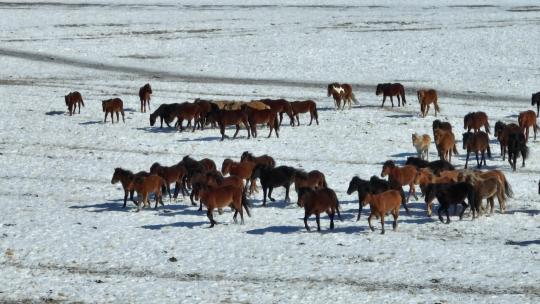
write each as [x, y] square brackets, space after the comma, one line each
[306, 216]
[464, 206]
[318, 218]
[392, 100]
[237, 130]
[523, 154]
[210, 217]
[395, 214]
[270, 194]
[265, 189]
[105, 120]
[413, 188]
[191, 198]
[398, 101]
[287, 198]
[271, 127]
[478, 163]
[467, 159]
[439, 212]
[404, 203]
[331, 215]
[359, 207]
[125, 198]
[382, 222]
[383, 100]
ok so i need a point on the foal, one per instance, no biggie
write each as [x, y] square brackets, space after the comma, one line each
[425, 98]
[475, 142]
[316, 202]
[382, 203]
[114, 105]
[526, 120]
[72, 100]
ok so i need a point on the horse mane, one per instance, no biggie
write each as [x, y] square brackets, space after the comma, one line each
[123, 171]
[389, 163]
[301, 174]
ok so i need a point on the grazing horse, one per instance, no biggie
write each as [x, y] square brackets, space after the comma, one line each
[475, 120]
[125, 177]
[535, 99]
[188, 111]
[266, 116]
[341, 92]
[476, 142]
[450, 194]
[403, 176]
[282, 176]
[144, 95]
[317, 201]
[313, 179]
[437, 166]
[421, 143]
[446, 144]
[425, 98]
[227, 118]
[223, 196]
[144, 186]
[517, 144]
[502, 131]
[165, 112]
[437, 124]
[111, 106]
[381, 204]
[391, 89]
[263, 159]
[243, 169]
[304, 107]
[72, 100]
[173, 174]
[374, 186]
[280, 106]
[526, 120]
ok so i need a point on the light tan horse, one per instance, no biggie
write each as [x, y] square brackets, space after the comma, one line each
[446, 144]
[421, 143]
[425, 98]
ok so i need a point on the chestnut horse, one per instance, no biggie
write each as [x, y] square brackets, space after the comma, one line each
[450, 194]
[111, 106]
[535, 99]
[402, 176]
[425, 176]
[381, 204]
[125, 177]
[316, 202]
[476, 142]
[425, 98]
[144, 186]
[280, 106]
[223, 196]
[437, 124]
[244, 170]
[502, 131]
[227, 118]
[475, 120]
[144, 95]
[341, 92]
[446, 144]
[188, 111]
[313, 179]
[266, 116]
[72, 100]
[421, 143]
[526, 120]
[263, 159]
[304, 107]
[173, 174]
[391, 89]
[517, 144]
[165, 112]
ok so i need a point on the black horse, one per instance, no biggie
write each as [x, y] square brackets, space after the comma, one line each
[451, 194]
[517, 144]
[165, 112]
[282, 176]
[536, 100]
[374, 186]
[436, 166]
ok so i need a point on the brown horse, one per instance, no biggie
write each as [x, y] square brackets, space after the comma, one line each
[304, 107]
[425, 98]
[491, 182]
[263, 159]
[317, 202]
[526, 120]
[165, 112]
[476, 142]
[173, 174]
[188, 111]
[402, 176]
[144, 95]
[125, 177]
[421, 143]
[502, 132]
[266, 116]
[381, 204]
[425, 176]
[146, 185]
[205, 107]
[475, 120]
[391, 89]
[72, 100]
[341, 92]
[313, 179]
[535, 99]
[243, 170]
[437, 124]
[446, 144]
[229, 118]
[280, 106]
[111, 106]
[223, 196]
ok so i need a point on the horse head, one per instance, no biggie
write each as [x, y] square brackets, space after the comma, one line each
[153, 117]
[226, 166]
[387, 166]
[353, 185]
[499, 127]
[379, 89]
[302, 195]
[155, 168]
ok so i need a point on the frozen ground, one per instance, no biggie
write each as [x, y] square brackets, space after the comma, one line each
[65, 237]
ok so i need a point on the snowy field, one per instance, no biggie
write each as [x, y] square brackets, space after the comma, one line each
[64, 235]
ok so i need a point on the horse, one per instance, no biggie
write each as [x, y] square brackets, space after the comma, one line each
[194, 167]
[437, 166]
[72, 100]
[475, 142]
[382, 203]
[125, 177]
[341, 92]
[226, 118]
[205, 107]
[425, 98]
[535, 99]
[487, 186]
[317, 201]
[475, 120]
[391, 89]
[446, 144]
[313, 179]
[502, 131]
[403, 176]
[444, 125]
[223, 196]
[282, 176]
[144, 96]
[144, 186]
[526, 120]
[421, 143]
[243, 169]
[165, 112]
[304, 107]
[173, 174]
[517, 144]
[451, 194]
[266, 116]
[280, 106]
[425, 176]
[188, 111]
[375, 185]
[111, 106]
[264, 159]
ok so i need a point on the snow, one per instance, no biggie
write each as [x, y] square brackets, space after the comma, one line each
[65, 237]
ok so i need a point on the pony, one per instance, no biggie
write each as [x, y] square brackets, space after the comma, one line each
[265, 116]
[475, 142]
[437, 166]
[282, 176]
[517, 144]
[313, 179]
[502, 131]
[165, 112]
[450, 194]
[421, 143]
[446, 144]
[341, 92]
[72, 100]
[382, 203]
[280, 106]
[263, 159]
[475, 120]
[526, 120]
[144, 95]
[317, 201]
[227, 118]
[243, 169]
[402, 176]
[223, 196]
[125, 177]
[304, 107]
[425, 98]
[375, 185]
[535, 99]
[111, 106]
[188, 111]
[391, 89]
[173, 174]
[486, 186]
[444, 125]
[144, 186]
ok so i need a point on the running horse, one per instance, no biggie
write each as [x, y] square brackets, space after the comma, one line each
[391, 89]
[72, 100]
[144, 95]
[341, 92]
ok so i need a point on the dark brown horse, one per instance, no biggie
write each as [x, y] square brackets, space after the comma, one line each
[314, 179]
[304, 107]
[316, 202]
[341, 92]
[475, 120]
[280, 106]
[437, 166]
[226, 118]
[401, 175]
[244, 170]
[425, 98]
[535, 99]
[144, 95]
[526, 120]
[72, 100]
[188, 111]
[476, 142]
[451, 194]
[266, 116]
[264, 159]
[205, 107]
[391, 89]
[173, 174]
[125, 177]
[114, 105]
[502, 131]
[517, 144]
[437, 124]
[165, 112]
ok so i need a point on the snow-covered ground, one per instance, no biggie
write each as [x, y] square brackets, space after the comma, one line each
[65, 237]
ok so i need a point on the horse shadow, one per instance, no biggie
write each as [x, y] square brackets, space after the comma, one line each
[404, 154]
[130, 110]
[207, 138]
[512, 116]
[52, 113]
[111, 205]
[276, 229]
[522, 243]
[189, 225]
[401, 116]
[92, 122]
[157, 130]
[531, 212]
[180, 209]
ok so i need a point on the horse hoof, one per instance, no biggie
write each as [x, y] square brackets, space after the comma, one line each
[372, 229]
[382, 232]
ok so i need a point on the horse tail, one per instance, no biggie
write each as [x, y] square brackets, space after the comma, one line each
[82, 102]
[325, 185]
[508, 189]
[454, 149]
[315, 113]
[245, 203]
[354, 98]
[403, 95]
[525, 152]
[487, 127]
[437, 109]
[337, 209]
[471, 197]
[276, 122]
